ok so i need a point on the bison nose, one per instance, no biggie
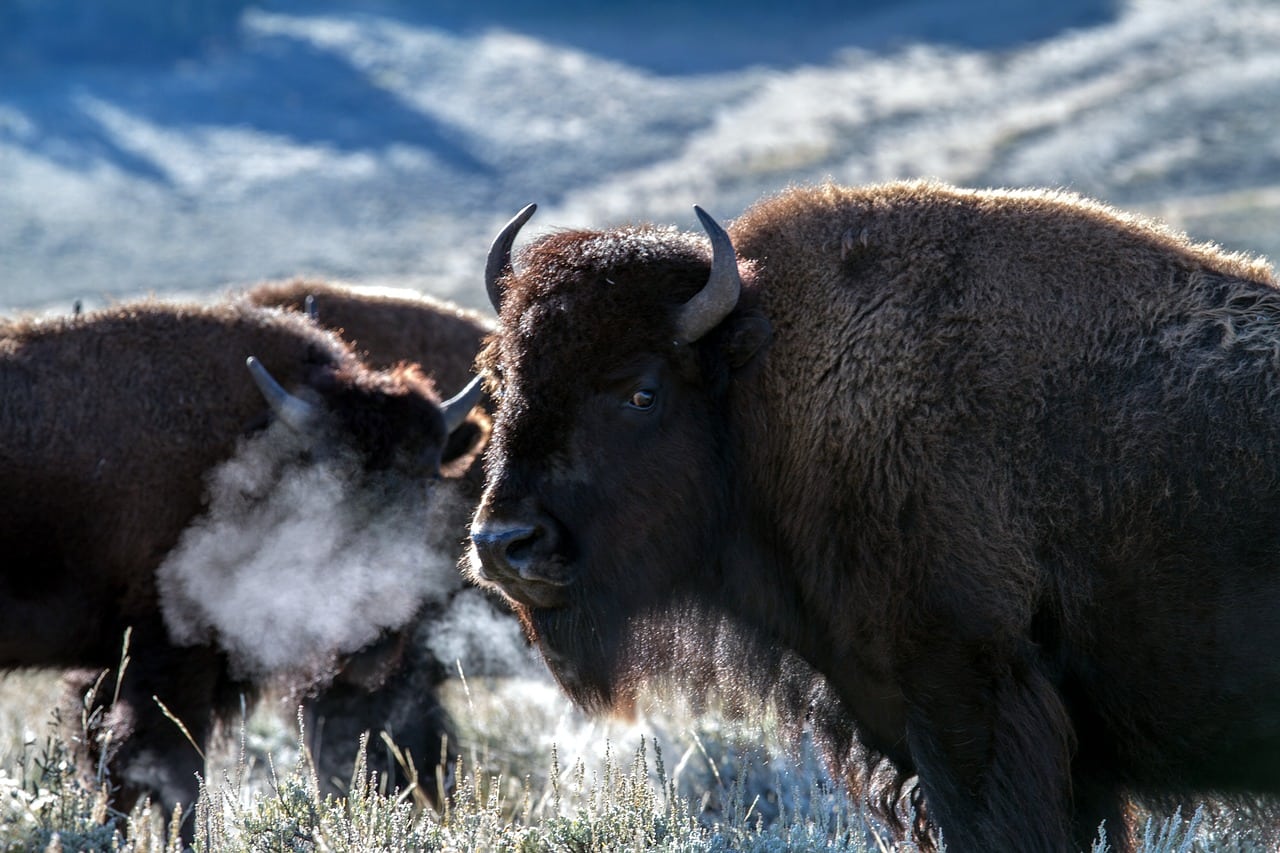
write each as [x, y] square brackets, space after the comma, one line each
[520, 556]
[506, 548]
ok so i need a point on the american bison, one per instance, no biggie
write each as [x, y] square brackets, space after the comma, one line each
[1001, 468]
[393, 684]
[386, 328]
[110, 426]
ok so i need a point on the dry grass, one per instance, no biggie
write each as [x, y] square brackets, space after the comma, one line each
[535, 776]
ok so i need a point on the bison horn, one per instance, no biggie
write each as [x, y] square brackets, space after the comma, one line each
[719, 296]
[455, 409]
[499, 263]
[297, 414]
[309, 305]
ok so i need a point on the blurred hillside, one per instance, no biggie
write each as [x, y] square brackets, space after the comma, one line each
[185, 146]
[41, 32]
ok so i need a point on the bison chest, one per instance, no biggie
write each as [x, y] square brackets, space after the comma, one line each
[883, 729]
[879, 710]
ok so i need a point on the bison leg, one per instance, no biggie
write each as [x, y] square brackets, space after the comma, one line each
[993, 752]
[133, 739]
[404, 704]
[417, 725]
[1099, 803]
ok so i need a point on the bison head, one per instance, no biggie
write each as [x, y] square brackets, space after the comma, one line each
[609, 485]
[391, 419]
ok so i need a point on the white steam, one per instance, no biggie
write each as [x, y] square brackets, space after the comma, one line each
[474, 635]
[292, 564]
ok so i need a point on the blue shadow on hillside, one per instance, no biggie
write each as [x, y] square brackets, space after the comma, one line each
[678, 37]
[283, 87]
[58, 55]
[663, 36]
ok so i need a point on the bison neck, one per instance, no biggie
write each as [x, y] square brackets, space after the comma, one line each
[793, 595]
[817, 564]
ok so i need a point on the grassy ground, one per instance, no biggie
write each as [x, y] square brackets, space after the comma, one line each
[535, 776]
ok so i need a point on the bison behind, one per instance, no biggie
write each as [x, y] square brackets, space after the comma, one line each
[392, 685]
[385, 328]
[109, 424]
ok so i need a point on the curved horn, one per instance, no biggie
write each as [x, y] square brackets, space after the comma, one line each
[455, 409]
[719, 296]
[297, 414]
[309, 305]
[499, 263]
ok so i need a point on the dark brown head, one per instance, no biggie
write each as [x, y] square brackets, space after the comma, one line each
[391, 420]
[609, 485]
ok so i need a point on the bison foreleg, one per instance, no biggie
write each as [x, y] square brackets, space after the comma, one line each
[143, 747]
[406, 707]
[993, 753]
[1100, 802]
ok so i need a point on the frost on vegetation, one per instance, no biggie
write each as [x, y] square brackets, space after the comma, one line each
[627, 801]
[44, 806]
[620, 804]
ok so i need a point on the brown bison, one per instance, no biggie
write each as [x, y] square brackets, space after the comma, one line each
[392, 685]
[386, 328]
[1002, 469]
[110, 425]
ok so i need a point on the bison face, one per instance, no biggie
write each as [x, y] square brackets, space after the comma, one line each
[609, 474]
[396, 424]
[392, 420]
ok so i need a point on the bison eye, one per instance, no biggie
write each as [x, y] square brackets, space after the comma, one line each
[642, 399]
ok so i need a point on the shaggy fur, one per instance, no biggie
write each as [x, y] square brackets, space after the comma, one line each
[109, 424]
[983, 484]
[385, 330]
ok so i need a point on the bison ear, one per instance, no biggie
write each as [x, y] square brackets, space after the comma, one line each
[745, 337]
[465, 439]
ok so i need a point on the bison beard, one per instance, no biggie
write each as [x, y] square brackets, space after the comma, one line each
[979, 484]
[603, 654]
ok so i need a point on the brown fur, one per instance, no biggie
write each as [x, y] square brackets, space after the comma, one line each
[1006, 478]
[110, 422]
[388, 329]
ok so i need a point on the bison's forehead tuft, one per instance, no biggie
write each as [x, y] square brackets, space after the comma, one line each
[619, 247]
[589, 300]
[582, 304]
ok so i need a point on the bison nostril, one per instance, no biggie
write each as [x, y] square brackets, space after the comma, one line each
[510, 551]
[520, 548]
[496, 544]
